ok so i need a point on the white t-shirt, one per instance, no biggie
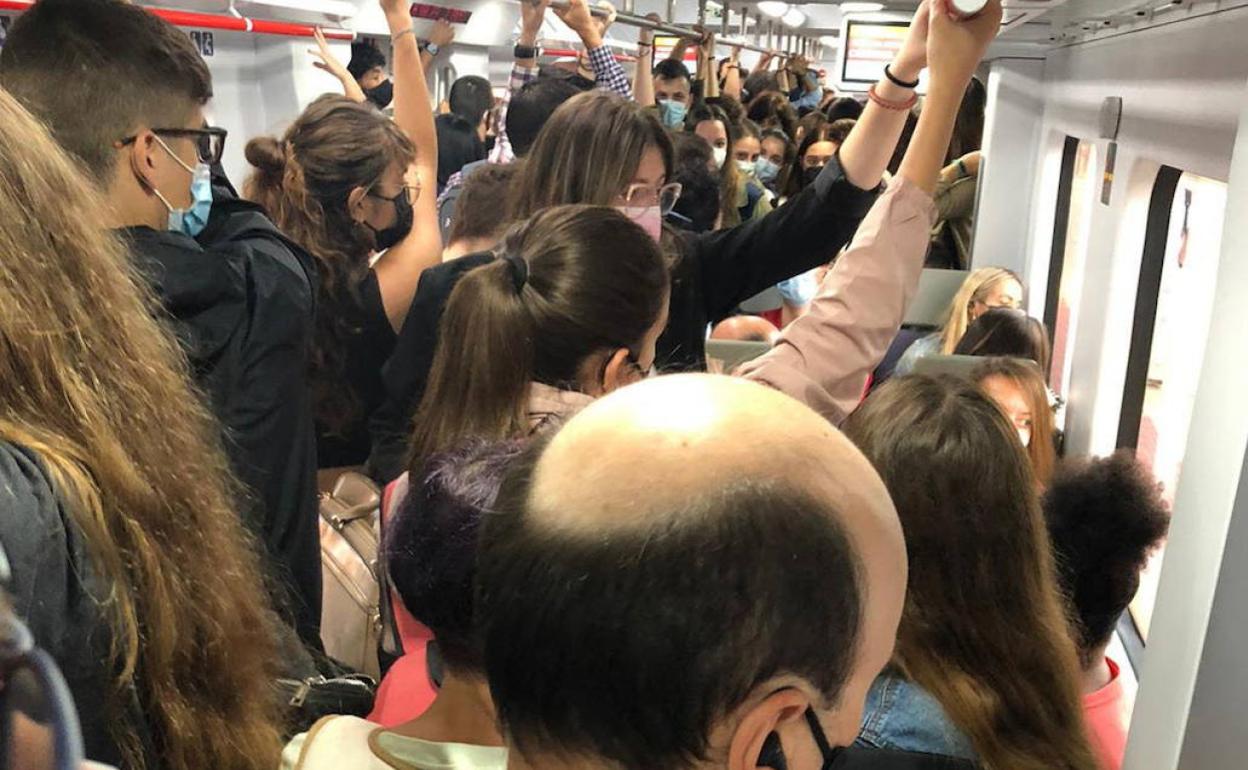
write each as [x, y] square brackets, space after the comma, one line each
[351, 743]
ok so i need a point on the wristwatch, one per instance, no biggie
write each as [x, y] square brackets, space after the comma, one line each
[526, 51]
[433, 48]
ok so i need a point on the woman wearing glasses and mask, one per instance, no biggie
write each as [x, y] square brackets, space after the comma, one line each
[601, 150]
[349, 184]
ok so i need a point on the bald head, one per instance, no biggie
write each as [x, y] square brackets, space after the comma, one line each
[706, 534]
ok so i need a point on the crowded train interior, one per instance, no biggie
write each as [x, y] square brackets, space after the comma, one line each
[332, 330]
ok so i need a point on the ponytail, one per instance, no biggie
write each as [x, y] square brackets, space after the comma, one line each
[573, 281]
[479, 382]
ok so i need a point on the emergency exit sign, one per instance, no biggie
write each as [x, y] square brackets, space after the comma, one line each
[436, 12]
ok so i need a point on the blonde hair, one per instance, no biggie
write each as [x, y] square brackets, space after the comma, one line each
[976, 288]
[100, 393]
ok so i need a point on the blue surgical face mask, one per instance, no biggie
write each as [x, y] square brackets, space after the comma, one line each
[672, 113]
[190, 221]
[765, 170]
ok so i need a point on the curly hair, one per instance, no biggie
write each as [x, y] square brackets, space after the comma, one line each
[303, 182]
[1105, 517]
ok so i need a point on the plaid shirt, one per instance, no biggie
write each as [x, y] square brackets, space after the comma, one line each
[608, 73]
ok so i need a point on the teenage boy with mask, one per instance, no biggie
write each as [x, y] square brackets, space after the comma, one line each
[125, 92]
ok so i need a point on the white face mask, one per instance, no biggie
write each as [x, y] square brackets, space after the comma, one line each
[720, 154]
[745, 167]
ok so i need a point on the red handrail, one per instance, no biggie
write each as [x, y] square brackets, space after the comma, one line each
[218, 21]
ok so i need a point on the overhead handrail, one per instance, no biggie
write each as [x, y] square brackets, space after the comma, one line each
[217, 21]
[666, 28]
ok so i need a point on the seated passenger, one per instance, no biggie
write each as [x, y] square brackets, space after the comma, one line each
[348, 183]
[1106, 517]
[117, 514]
[1018, 387]
[641, 631]
[984, 666]
[484, 217]
[238, 294]
[983, 289]
[599, 149]
[1007, 332]
[431, 552]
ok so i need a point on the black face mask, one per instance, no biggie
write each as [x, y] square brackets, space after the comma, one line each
[402, 221]
[810, 174]
[773, 753]
[382, 95]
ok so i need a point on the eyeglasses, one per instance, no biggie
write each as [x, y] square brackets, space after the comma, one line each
[411, 190]
[38, 723]
[642, 196]
[209, 142]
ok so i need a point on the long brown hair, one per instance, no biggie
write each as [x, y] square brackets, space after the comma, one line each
[1027, 377]
[729, 177]
[976, 288]
[101, 394]
[573, 280]
[303, 182]
[983, 629]
[587, 153]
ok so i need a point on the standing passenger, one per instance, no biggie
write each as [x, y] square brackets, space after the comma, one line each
[117, 509]
[125, 92]
[984, 667]
[348, 183]
[1106, 517]
[1017, 386]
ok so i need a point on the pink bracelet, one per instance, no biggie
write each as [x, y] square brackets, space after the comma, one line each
[905, 106]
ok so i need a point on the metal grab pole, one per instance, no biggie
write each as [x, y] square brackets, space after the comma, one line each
[632, 20]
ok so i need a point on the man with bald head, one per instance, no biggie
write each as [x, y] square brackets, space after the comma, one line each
[695, 571]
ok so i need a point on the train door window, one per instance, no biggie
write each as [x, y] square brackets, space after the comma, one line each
[1178, 276]
[1076, 195]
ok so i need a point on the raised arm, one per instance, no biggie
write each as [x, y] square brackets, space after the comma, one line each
[816, 224]
[825, 357]
[869, 147]
[398, 271]
[732, 76]
[592, 30]
[327, 62]
[707, 66]
[441, 36]
[643, 79]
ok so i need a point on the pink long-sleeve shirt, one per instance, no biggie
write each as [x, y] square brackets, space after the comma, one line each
[823, 359]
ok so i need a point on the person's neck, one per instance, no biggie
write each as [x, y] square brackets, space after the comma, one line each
[1098, 674]
[463, 712]
[547, 762]
[134, 209]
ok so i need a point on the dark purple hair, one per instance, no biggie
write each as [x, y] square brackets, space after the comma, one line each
[431, 545]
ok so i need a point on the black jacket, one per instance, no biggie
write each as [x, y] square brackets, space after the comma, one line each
[713, 273]
[57, 592]
[242, 301]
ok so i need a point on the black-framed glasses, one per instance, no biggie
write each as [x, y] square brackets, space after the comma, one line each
[209, 142]
[38, 722]
[411, 190]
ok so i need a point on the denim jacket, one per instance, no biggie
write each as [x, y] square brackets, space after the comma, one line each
[901, 715]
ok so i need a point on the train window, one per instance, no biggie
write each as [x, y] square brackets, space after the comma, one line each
[1076, 194]
[1178, 275]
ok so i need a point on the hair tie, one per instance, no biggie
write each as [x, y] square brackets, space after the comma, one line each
[519, 271]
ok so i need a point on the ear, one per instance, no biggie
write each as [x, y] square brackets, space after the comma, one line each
[142, 160]
[618, 372]
[782, 713]
[355, 204]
